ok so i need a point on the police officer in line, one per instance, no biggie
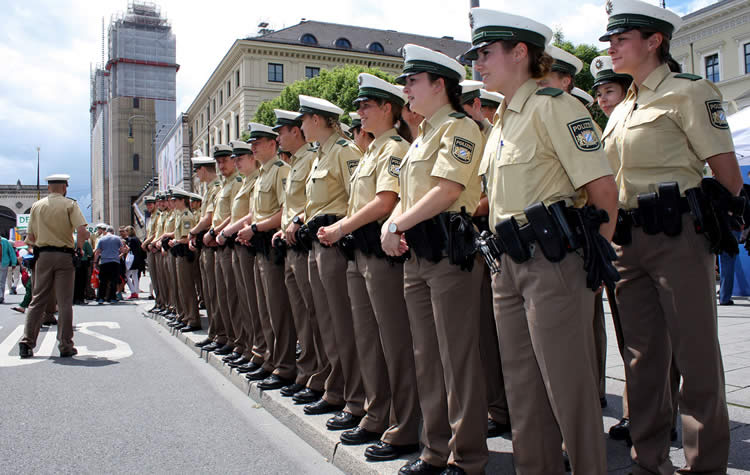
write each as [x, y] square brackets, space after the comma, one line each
[312, 364]
[375, 282]
[327, 191]
[544, 149]
[360, 137]
[150, 202]
[273, 301]
[228, 303]
[440, 188]
[255, 333]
[498, 421]
[586, 99]
[169, 265]
[155, 272]
[563, 72]
[661, 136]
[205, 169]
[490, 102]
[52, 222]
[189, 319]
[196, 202]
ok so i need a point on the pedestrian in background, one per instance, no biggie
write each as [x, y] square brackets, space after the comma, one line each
[14, 275]
[107, 254]
[8, 259]
[138, 264]
[83, 274]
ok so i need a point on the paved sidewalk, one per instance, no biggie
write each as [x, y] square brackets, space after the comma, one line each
[734, 334]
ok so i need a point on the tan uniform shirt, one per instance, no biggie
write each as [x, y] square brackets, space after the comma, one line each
[294, 194]
[243, 200]
[151, 229]
[159, 225]
[268, 197]
[223, 205]
[676, 125]
[209, 197]
[446, 147]
[53, 220]
[169, 223]
[184, 222]
[327, 187]
[378, 170]
[542, 147]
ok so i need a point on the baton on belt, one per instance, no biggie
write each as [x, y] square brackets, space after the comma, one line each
[616, 319]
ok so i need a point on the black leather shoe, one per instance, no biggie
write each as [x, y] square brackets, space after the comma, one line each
[224, 350]
[603, 402]
[203, 343]
[248, 367]
[621, 430]
[382, 451]
[179, 326]
[291, 390]
[25, 351]
[153, 309]
[453, 470]
[728, 302]
[322, 407]
[273, 382]
[343, 420]
[359, 436]
[496, 429]
[69, 353]
[420, 467]
[189, 328]
[212, 346]
[258, 375]
[174, 323]
[231, 357]
[307, 396]
[297, 351]
[238, 362]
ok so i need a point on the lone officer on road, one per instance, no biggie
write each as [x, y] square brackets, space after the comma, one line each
[51, 225]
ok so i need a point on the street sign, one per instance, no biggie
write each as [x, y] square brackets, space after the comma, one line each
[22, 221]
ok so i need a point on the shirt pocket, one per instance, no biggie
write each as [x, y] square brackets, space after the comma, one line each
[516, 174]
[319, 186]
[651, 139]
[266, 197]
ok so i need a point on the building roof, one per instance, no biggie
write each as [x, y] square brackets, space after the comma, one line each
[703, 10]
[360, 39]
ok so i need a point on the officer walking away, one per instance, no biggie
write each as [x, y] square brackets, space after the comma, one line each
[51, 225]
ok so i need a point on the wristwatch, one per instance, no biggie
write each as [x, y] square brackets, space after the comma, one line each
[212, 232]
[297, 220]
[254, 227]
[392, 228]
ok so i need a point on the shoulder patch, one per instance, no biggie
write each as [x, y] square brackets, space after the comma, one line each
[462, 149]
[549, 91]
[397, 138]
[279, 163]
[457, 115]
[692, 77]
[394, 166]
[584, 135]
[352, 164]
[238, 178]
[343, 143]
[186, 225]
[716, 114]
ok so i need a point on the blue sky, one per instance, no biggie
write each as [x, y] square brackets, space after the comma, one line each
[47, 48]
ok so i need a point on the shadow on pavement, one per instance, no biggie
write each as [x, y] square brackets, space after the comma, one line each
[90, 361]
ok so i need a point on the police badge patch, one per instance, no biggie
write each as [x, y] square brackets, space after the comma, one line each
[394, 166]
[716, 114]
[352, 164]
[584, 135]
[462, 150]
[186, 225]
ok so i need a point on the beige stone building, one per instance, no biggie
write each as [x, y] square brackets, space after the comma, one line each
[714, 42]
[257, 69]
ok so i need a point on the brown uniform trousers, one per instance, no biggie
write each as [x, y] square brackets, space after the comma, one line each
[259, 351]
[166, 281]
[547, 350]
[667, 303]
[248, 301]
[226, 293]
[187, 295]
[312, 364]
[443, 306]
[384, 345]
[216, 331]
[157, 275]
[245, 331]
[197, 276]
[600, 344]
[274, 308]
[174, 285]
[53, 279]
[151, 261]
[497, 403]
[327, 270]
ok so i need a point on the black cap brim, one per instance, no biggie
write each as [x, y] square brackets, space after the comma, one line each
[473, 53]
[615, 31]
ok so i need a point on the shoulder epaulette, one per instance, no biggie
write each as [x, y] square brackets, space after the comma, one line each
[692, 77]
[397, 138]
[279, 163]
[457, 115]
[549, 91]
[343, 143]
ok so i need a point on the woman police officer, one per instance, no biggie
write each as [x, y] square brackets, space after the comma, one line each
[662, 135]
[439, 183]
[543, 149]
[375, 281]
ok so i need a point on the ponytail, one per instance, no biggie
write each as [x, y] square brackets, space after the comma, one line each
[452, 90]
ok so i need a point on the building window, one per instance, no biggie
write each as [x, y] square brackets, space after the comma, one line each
[311, 72]
[219, 138]
[343, 43]
[136, 103]
[237, 79]
[712, 67]
[221, 98]
[376, 47]
[228, 134]
[309, 39]
[275, 72]
[237, 126]
[213, 105]
[136, 162]
[229, 89]
[746, 51]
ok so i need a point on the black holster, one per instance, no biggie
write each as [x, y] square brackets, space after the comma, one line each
[623, 229]
[509, 236]
[304, 239]
[723, 213]
[461, 240]
[347, 246]
[547, 232]
[199, 240]
[429, 238]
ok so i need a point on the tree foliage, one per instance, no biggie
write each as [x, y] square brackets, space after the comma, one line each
[338, 85]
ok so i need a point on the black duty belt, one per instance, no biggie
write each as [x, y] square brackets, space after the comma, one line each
[66, 250]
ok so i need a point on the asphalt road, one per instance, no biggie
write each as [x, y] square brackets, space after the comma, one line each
[133, 401]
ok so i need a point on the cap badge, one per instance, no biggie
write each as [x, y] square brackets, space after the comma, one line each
[471, 20]
[608, 7]
[599, 63]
